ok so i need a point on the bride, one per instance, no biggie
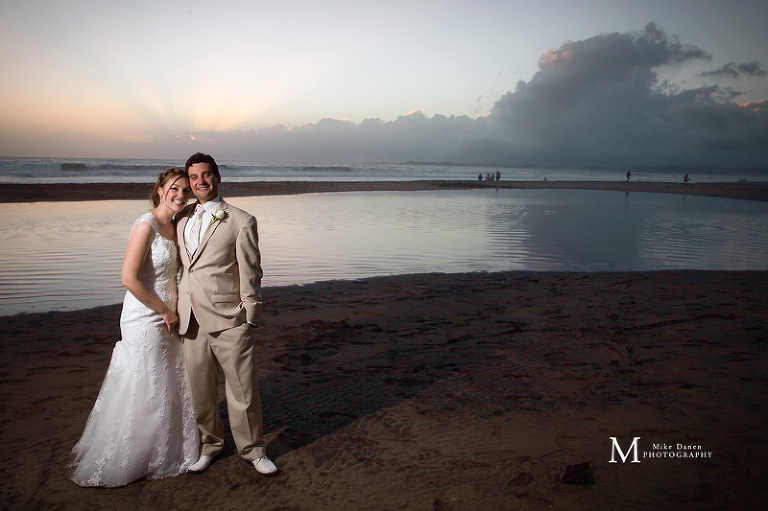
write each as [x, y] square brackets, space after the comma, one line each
[142, 424]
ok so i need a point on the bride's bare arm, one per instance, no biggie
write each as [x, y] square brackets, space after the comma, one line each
[135, 255]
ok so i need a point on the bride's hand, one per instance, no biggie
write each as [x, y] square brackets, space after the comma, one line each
[171, 320]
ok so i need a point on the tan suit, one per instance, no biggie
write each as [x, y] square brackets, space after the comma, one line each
[218, 297]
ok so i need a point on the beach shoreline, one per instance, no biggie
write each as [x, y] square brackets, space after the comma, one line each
[14, 193]
[439, 391]
[443, 391]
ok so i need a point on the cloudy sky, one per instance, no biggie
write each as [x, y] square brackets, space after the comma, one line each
[551, 82]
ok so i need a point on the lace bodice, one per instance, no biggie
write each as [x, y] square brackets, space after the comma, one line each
[161, 265]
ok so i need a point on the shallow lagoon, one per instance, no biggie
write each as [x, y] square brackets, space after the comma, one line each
[67, 255]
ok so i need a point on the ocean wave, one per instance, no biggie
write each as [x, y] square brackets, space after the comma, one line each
[132, 168]
[73, 167]
[118, 170]
[325, 169]
[110, 167]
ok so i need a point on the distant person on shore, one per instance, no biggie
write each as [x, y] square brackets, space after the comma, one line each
[498, 175]
[686, 179]
[142, 424]
[480, 176]
[219, 309]
[628, 175]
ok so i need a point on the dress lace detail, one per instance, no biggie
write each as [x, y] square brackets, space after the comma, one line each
[142, 424]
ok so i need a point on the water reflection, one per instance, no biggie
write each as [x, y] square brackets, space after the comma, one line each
[589, 231]
[64, 256]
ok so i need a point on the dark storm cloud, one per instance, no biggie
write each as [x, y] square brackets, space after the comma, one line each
[409, 137]
[734, 69]
[599, 102]
[595, 102]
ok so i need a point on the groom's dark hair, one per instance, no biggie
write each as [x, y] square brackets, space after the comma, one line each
[203, 158]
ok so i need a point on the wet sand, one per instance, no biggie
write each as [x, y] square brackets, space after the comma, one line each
[443, 392]
[133, 191]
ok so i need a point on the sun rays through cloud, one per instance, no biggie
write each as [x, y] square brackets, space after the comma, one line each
[491, 83]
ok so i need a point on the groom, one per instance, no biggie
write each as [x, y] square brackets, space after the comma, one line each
[219, 307]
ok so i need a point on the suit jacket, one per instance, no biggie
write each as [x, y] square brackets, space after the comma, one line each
[221, 282]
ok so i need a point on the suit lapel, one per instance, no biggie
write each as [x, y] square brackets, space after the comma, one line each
[181, 228]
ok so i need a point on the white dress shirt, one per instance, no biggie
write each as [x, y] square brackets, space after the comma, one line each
[207, 219]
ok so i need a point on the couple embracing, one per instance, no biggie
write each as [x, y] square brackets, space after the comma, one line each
[156, 414]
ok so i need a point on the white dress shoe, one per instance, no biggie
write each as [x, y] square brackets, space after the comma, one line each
[264, 466]
[201, 464]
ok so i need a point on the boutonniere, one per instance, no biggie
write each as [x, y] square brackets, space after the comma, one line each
[218, 215]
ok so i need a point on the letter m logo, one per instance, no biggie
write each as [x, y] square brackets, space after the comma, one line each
[617, 448]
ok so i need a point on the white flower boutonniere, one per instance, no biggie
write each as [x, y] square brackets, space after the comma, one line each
[218, 215]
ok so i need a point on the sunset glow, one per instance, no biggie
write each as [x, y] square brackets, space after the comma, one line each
[758, 107]
[74, 82]
[552, 56]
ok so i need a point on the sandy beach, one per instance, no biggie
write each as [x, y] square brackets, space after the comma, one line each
[440, 391]
[422, 392]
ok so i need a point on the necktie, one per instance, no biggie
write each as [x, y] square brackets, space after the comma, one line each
[194, 231]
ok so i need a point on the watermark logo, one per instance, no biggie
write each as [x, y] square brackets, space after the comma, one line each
[634, 453]
[616, 449]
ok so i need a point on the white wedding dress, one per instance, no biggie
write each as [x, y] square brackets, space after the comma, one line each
[142, 424]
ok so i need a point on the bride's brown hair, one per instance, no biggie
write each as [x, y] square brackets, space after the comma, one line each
[169, 175]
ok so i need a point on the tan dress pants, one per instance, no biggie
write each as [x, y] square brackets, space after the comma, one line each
[233, 351]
